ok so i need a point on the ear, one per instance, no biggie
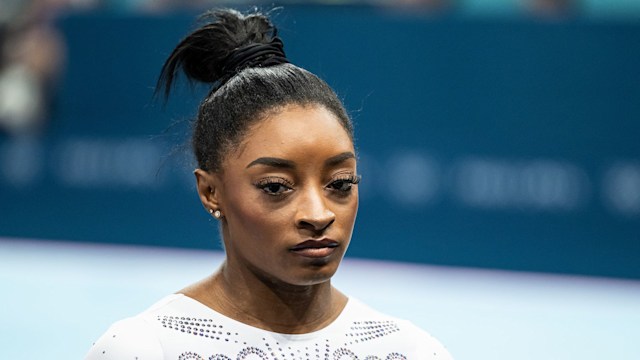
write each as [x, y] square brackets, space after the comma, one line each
[208, 184]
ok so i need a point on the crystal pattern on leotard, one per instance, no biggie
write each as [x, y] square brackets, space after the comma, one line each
[369, 330]
[198, 327]
[189, 356]
[359, 332]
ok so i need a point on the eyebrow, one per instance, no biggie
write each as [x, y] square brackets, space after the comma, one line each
[335, 160]
[288, 164]
[273, 162]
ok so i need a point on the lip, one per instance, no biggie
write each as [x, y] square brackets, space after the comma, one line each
[315, 248]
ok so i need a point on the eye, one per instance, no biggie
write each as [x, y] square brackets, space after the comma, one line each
[274, 186]
[344, 183]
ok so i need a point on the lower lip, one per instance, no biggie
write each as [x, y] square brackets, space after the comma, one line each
[315, 252]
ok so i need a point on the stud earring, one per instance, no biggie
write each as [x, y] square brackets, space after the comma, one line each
[217, 213]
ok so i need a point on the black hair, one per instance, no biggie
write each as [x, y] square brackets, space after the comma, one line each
[246, 91]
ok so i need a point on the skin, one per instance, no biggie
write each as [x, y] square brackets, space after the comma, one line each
[289, 187]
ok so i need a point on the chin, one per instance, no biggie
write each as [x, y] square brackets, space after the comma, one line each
[315, 275]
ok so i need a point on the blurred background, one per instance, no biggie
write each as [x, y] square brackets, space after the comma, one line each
[499, 144]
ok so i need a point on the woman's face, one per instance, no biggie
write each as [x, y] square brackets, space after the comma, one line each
[289, 198]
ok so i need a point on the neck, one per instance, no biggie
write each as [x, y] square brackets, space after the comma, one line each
[270, 304]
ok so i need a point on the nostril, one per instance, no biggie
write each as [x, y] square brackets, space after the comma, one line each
[316, 225]
[313, 211]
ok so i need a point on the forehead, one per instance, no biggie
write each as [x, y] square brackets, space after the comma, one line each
[295, 131]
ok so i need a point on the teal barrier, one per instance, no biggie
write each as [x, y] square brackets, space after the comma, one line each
[501, 144]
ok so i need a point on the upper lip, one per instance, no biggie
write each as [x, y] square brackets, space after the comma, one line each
[320, 243]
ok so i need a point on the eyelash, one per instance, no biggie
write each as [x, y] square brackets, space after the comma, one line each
[264, 184]
[349, 180]
[284, 186]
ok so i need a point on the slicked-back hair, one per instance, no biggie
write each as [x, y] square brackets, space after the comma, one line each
[246, 95]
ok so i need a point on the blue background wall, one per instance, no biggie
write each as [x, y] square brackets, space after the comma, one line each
[506, 144]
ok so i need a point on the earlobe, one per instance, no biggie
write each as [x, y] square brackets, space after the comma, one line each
[208, 189]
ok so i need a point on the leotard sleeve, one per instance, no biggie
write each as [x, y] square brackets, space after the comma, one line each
[428, 347]
[130, 338]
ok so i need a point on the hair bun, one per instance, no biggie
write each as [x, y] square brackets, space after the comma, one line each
[255, 55]
[226, 43]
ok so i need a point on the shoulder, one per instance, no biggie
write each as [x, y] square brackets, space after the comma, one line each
[132, 338]
[404, 333]
[427, 345]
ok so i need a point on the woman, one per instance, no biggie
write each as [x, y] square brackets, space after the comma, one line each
[277, 168]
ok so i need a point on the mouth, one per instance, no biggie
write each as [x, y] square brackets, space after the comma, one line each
[315, 248]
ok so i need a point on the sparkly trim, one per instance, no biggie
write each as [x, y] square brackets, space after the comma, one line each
[362, 331]
[198, 327]
[189, 356]
[219, 357]
[252, 351]
[396, 356]
[359, 332]
[343, 353]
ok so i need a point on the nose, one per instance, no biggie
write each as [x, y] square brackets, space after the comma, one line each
[312, 211]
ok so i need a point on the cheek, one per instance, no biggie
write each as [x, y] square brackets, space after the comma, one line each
[349, 208]
[350, 211]
[250, 217]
